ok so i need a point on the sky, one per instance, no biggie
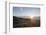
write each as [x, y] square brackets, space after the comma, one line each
[26, 11]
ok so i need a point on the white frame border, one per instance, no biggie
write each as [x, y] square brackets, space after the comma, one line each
[8, 25]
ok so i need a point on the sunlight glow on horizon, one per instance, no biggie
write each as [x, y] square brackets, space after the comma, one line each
[31, 17]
